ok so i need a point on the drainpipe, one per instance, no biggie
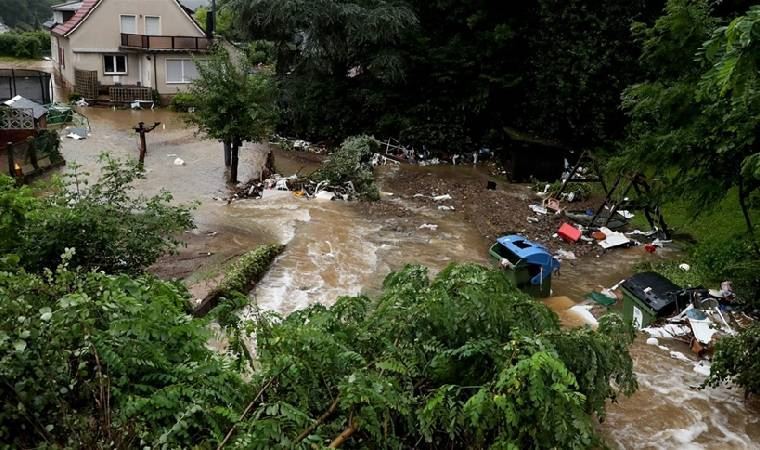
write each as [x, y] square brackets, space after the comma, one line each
[155, 74]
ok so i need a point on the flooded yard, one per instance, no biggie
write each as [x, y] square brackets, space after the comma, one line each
[335, 248]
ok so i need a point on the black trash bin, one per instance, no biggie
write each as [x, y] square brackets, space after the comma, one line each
[648, 296]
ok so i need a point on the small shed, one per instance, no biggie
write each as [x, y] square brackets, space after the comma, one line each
[28, 107]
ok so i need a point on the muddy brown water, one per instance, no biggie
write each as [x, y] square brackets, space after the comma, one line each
[334, 250]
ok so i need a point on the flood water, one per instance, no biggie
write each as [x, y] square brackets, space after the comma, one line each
[333, 249]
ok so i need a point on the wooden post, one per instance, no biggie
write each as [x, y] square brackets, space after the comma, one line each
[142, 129]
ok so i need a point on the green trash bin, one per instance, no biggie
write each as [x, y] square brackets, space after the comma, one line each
[648, 296]
[531, 265]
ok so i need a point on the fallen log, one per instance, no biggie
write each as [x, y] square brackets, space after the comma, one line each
[241, 276]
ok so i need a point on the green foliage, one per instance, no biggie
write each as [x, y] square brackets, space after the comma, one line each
[352, 162]
[224, 18]
[47, 143]
[231, 105]
[248, 269]
[25, 14]
[449, 74]
[111, 228]
[28, 44]
[89, 358]
[734, 361]
[465, 360]
[182, 102]
[713, 261]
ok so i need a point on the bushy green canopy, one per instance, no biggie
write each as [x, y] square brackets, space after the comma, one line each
[464, 360]
[112, 228]
[229, 103]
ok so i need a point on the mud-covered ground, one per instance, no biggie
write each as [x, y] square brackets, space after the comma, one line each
[492, 213]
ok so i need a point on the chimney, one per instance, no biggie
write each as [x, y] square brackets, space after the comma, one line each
[211, 20]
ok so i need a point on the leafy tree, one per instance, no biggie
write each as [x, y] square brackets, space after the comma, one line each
[111, 229]
[465, 360]
[232, 105]
[89, 358]
[694, 122]
[25, 13]
[450, 74]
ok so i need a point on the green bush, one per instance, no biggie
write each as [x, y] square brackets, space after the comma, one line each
[182, 102]
[30, 44]
[111, 229]
[88, 358]
[736, 360]
[352, 162]
[462, 361]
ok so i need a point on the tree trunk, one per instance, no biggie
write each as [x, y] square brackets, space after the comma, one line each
[227, 153]
[234, 162]
[743, 197]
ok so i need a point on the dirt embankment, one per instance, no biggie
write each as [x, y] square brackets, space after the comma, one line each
[493, 212]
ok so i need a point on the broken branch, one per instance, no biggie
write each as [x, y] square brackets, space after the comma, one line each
[247, 410]
[343, 436]
[330, 411]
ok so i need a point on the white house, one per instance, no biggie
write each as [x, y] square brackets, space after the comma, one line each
[126, 43]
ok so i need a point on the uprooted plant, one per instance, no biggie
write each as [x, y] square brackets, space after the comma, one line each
[351, 163]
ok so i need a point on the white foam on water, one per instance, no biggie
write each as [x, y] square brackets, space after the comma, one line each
[670, 412]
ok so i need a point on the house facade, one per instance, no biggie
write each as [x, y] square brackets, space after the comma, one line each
[126, 43]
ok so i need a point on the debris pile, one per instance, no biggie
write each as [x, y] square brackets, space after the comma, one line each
[661, 310]
[300, 187]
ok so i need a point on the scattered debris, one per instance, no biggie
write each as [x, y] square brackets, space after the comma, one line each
[428, 226]
[685, 267]
[669, 330]
[565, 254]
[653, 341]
[538, 209]
[446, 208]
[702, 368]
[584, 312]
[179, 162]
[613, 239]
[82, 103]
[440, 198]
[679, 356]
[77, 133]
[569, 233]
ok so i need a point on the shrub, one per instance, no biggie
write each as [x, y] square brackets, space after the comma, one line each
[464, 360]
[182, 102]
[111, 229]
[89, 358]
[30, 44]
[735, 360]
[352, 162]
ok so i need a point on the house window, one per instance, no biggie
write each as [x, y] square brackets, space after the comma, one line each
[128, 24]
[152, 25]
[115, 64]
[180, 71]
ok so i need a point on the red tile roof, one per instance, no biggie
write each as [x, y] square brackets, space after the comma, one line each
[69, 26]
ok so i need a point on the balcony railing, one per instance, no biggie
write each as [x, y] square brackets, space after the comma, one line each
[187, 43]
